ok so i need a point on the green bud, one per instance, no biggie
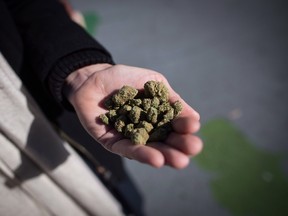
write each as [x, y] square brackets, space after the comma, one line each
[156, 89]
[135, 102]
[160, 133]
[146, 104]
[104, 119]
[128, 130]
[124, 110]
[120, 123]
[177, 108]
[135, 114]
[139, 136]
[152, 115]
[144, 124]
[112, 115]
[123, 95]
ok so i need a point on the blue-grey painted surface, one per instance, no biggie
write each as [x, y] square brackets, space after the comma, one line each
[227, 58]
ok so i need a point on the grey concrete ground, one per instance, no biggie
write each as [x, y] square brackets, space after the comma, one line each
[224, 57]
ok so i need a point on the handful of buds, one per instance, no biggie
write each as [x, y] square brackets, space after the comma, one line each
[142, 116]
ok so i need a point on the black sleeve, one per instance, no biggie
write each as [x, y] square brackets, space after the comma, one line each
[55, 45]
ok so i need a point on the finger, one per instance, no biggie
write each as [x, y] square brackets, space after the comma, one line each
[115, 143]
[141, 153]
[185, 124]
[173, 157]
[186, 143]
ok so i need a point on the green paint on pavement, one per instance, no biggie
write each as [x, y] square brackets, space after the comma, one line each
[246, 180]
[92, 21]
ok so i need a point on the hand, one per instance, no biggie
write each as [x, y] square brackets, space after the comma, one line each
[90, 86]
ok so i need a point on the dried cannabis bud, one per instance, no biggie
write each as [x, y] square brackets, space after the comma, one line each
[104, 119]
[152, 115]
[156, 89]
[139, 136]
[120, 123]
[160, 133]
[177, 108]
[135, 114]
[142, 117]
[128, 130]
[125, 94]
[146, 125]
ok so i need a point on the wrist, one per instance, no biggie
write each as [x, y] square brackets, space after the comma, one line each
[68, 64]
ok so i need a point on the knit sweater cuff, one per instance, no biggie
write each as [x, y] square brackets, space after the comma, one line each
[69, 64]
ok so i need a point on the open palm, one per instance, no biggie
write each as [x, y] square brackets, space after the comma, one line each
[98, 84]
